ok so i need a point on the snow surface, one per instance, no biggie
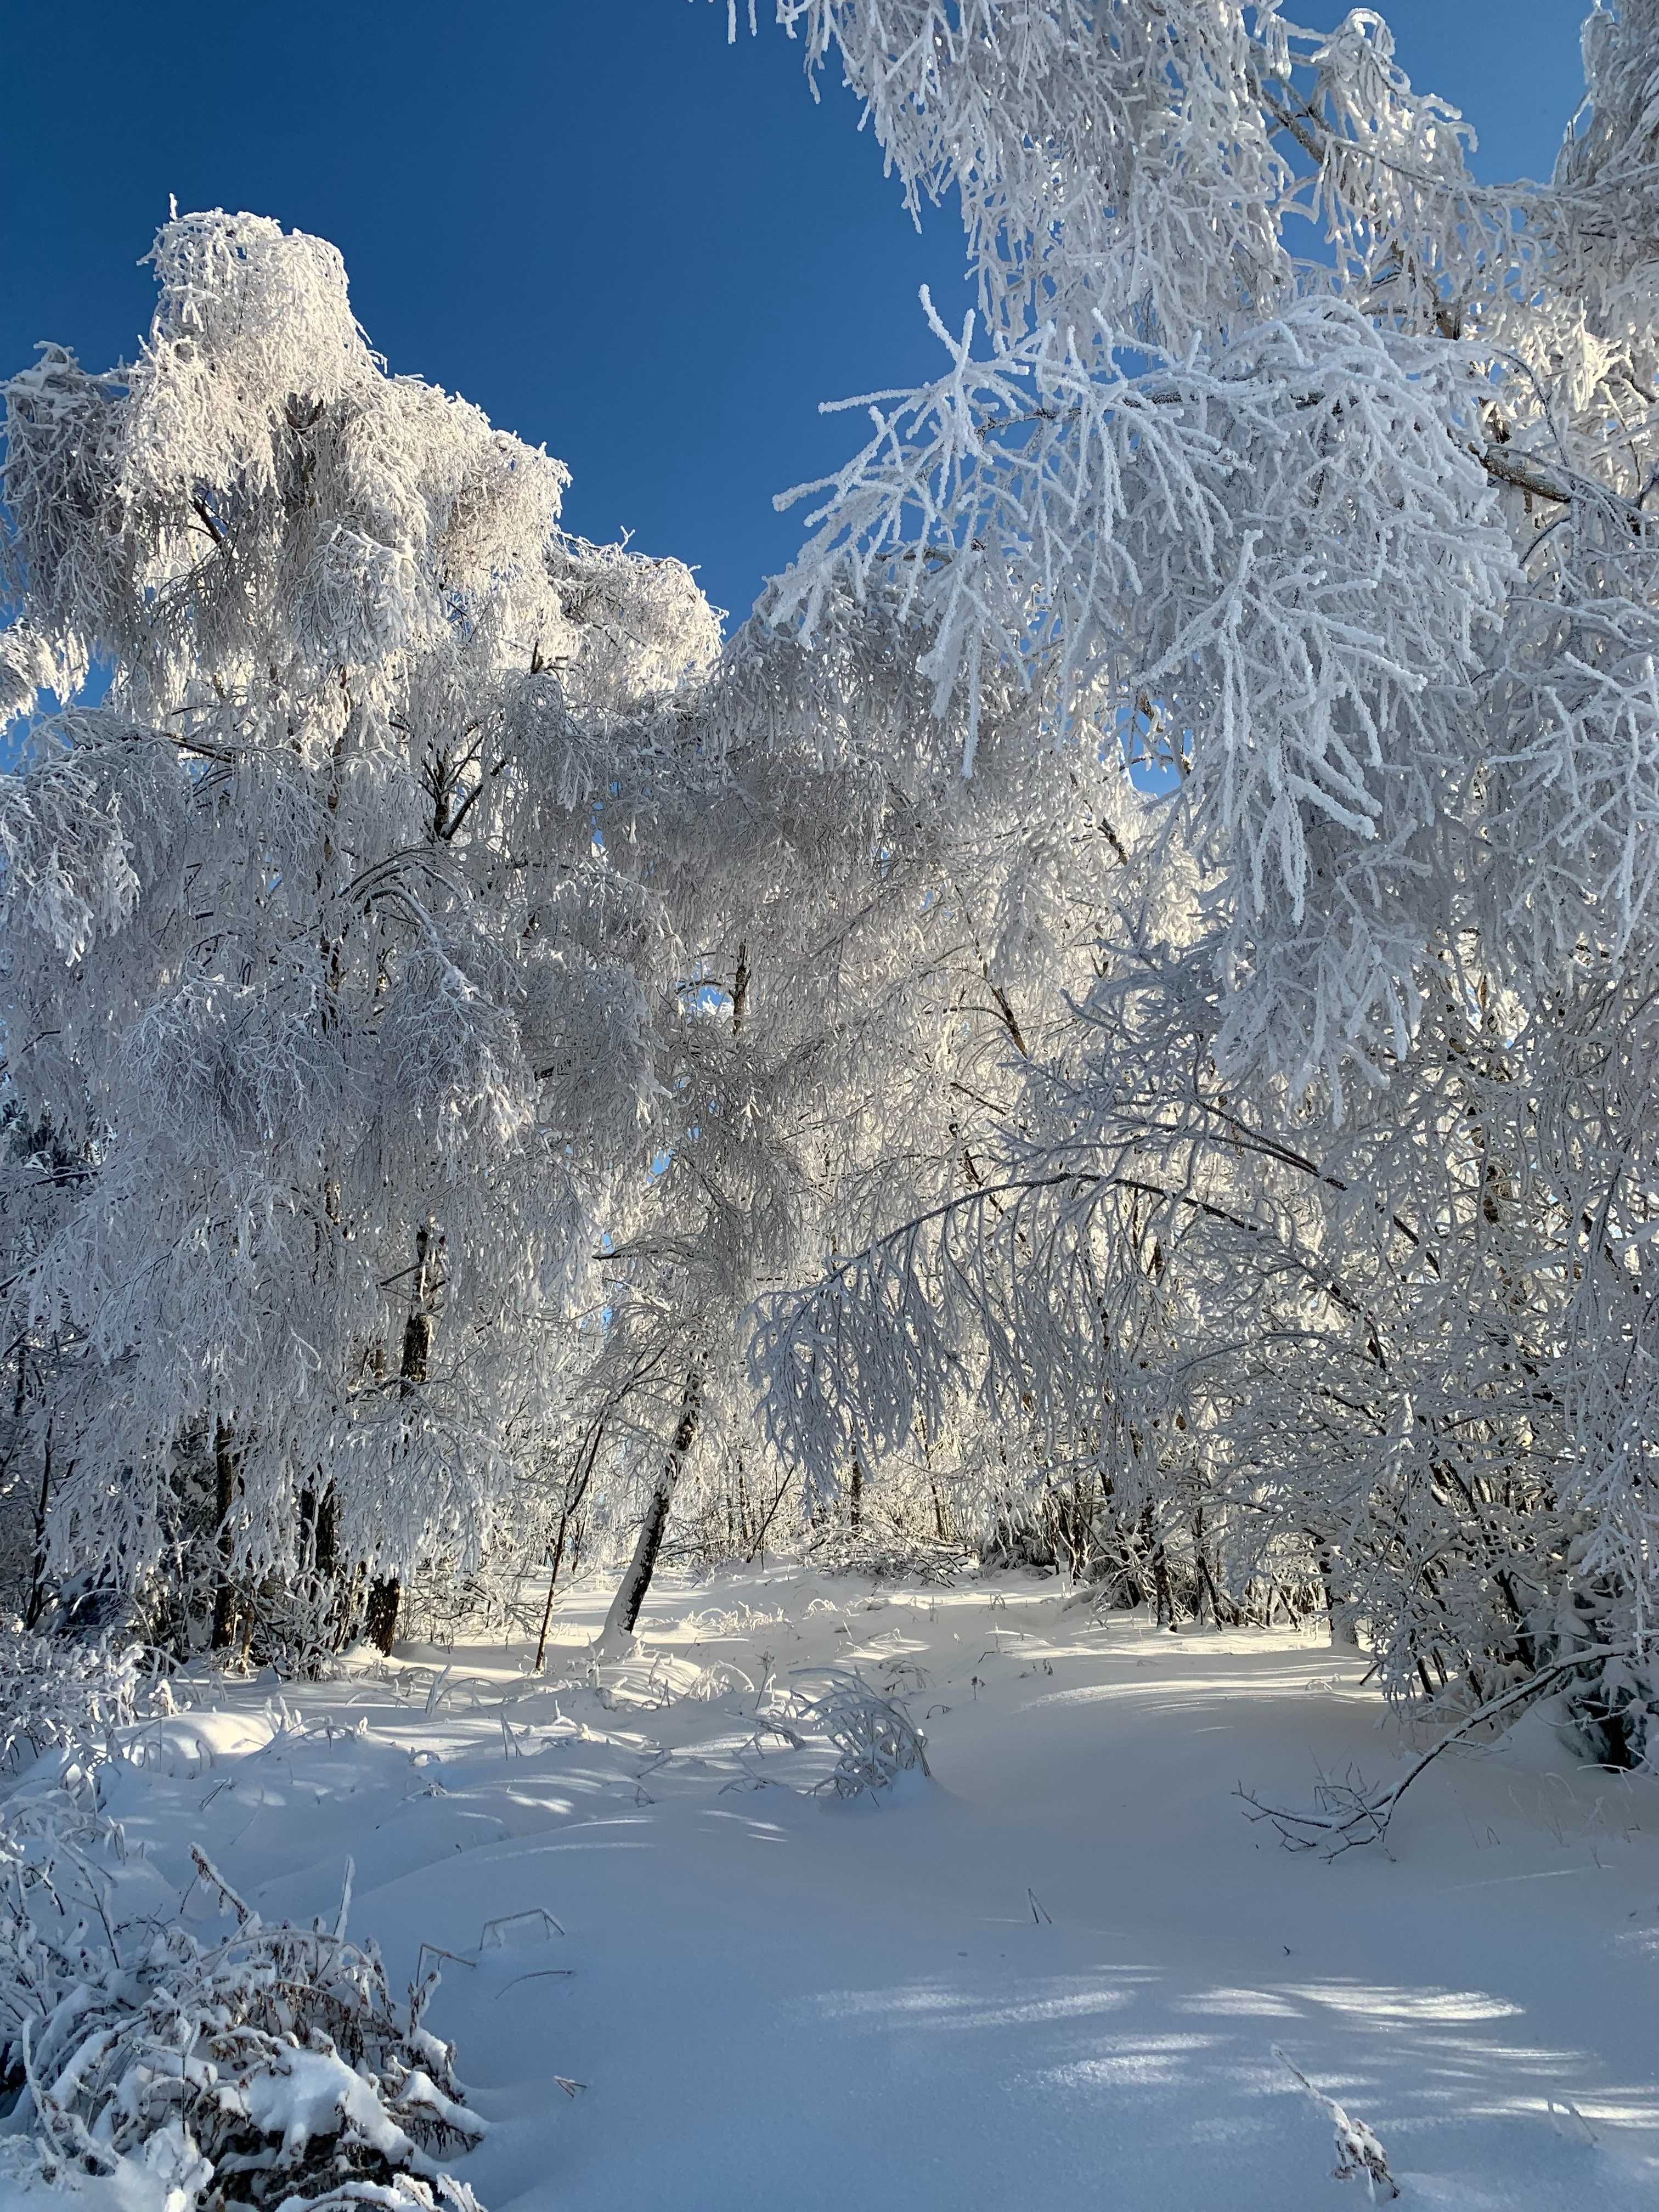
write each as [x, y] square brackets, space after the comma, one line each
[1052, 1975]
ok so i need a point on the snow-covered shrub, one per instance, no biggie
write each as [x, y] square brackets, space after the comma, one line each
[445, 1605]
[1614, 1718]
[297, 1623]
[889, 1555]
[59, 1696]
[270, 2067]
[874, 1737]
[1608, 1711]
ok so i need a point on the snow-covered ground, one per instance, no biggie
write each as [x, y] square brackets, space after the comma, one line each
[1054, 1975]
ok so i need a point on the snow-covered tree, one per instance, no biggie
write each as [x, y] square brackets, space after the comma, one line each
[425, 915]
[1278, 442]
[315, 942]
[872, 933]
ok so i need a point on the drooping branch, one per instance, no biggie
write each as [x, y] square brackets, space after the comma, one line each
[1350, 1816]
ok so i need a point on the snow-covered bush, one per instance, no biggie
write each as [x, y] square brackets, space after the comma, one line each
[445, 1605]
[874, 1737]
[887, 1554]
[60, 1696]
[269, 2067]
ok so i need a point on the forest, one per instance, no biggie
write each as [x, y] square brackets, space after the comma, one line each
[611, 1213]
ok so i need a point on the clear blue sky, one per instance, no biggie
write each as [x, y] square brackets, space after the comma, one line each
[619, 236]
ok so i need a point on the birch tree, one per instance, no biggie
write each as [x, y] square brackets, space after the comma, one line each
[310, 933]
[1276, 435]
[875, 938]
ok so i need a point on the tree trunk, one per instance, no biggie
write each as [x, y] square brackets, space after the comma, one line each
[37, 1564]
[1342, 1627]
[319, 1543]
[225, 1606]
[1207, 1590]
[386, 1592]
[1161, 1589]
[740, 991]
[758, 1547]
[318, 1554]
[552, 1585]
[630, 1594]
[380, 1612]
[575, 1490]
[855, 1495]
[1081, 1538]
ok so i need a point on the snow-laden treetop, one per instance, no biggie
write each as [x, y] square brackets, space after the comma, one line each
[1277, 436]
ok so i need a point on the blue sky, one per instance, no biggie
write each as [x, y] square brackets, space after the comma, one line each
[619, 236]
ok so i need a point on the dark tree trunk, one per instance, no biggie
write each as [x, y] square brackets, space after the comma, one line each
[1207, 1591]
[381, 1610]
[758, 1547]
[319, 1561]
[386, 1592]
[1161, 1589]
[320, 1533]
[643, 1565]
[552, 1585]
[317, 1548]
[37, 1563]
[575, 1491]
[225, 1608]
[630, 1595]
[740, 991]
[1081, 1538]
[856, 1494]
